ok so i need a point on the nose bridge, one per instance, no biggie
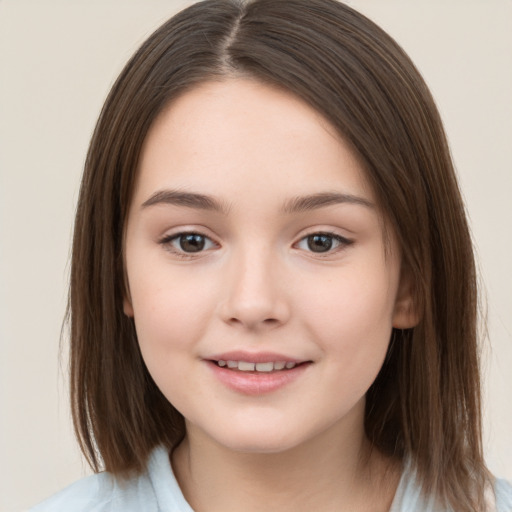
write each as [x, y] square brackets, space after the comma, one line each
[255, 297]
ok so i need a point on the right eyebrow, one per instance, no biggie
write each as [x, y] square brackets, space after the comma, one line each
[187, 199]
[323, 199]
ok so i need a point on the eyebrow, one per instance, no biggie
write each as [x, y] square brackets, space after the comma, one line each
[187, 199]
[294, 205]
[321, 200]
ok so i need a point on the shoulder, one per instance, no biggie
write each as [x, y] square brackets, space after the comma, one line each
[100, 493]
[410, 497]
[154, 490]
[503, 493]
[91, 493]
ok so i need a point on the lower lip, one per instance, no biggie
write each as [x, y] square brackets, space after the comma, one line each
[252, 383]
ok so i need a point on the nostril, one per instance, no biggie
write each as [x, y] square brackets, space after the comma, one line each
[236, 320]
[253, 323]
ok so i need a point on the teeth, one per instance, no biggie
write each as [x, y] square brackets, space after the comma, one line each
[263, 367]
[245, 366]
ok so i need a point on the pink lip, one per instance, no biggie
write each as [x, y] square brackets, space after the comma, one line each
[252, 383]
[253, 357]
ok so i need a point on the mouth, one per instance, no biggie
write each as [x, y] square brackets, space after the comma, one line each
[256, 373]
[260, 367]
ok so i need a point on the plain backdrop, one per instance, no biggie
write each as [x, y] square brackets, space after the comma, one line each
[58, 60]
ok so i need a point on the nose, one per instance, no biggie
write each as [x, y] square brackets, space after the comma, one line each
[255, 293]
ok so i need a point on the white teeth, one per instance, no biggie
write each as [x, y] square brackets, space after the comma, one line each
[246, 366]
[263, 367]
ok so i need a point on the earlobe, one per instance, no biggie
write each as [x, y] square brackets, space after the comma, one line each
[127, 307]
[405, 314]
[127, 299]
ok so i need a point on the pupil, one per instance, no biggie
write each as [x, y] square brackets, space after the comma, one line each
[319, 243]
[192, 243]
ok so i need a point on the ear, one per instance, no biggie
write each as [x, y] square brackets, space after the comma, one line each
[405, 314]
[127, 306]
[127, 299]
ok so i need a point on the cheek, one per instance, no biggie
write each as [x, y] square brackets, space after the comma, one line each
[170, 320]
[170, 313]
[351, 319]
[358, 302]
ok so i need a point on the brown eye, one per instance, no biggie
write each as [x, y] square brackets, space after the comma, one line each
[187, 243]
[319, 243]
[191, 242]
[323, 242]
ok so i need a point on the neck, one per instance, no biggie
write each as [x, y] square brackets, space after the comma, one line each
[329, 472]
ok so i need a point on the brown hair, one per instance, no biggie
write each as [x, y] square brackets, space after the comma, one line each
[425, 402]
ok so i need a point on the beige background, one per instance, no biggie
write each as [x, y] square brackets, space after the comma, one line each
[57, 62]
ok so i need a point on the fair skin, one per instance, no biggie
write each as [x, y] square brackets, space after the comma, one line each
[283, 261]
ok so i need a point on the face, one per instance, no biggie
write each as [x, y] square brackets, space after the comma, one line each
[261, 288]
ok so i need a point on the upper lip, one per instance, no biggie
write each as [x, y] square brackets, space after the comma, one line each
[254, 357]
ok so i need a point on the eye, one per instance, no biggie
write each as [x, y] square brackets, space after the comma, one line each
[323, 242]
[188, 243]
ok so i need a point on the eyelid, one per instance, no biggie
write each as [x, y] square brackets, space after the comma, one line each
[167, 239]
[343, 242]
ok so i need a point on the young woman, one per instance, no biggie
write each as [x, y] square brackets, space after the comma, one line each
[273, 299]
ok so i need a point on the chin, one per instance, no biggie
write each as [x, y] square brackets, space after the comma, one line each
[265, 447]
[257, 441]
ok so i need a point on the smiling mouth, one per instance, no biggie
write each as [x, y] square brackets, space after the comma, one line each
[265, 367]
[256, 374]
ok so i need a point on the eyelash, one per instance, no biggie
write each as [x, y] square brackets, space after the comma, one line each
[341, 242]
[167, 241]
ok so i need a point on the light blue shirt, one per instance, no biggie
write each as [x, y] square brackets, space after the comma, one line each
[156, 490]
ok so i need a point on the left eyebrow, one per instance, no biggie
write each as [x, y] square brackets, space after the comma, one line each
[187, 199]
[322, 199]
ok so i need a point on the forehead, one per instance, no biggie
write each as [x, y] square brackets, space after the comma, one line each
[240, 133]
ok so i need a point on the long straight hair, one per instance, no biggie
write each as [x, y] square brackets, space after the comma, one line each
[424, 405]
